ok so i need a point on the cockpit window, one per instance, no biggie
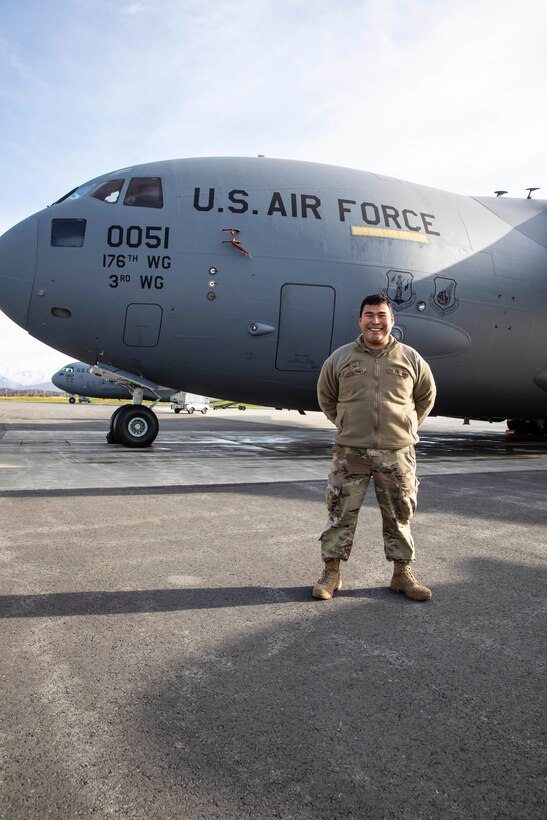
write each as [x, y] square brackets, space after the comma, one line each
[75, 193]
[67, 233]
[144, 192]
[108, 191]
[66, 196]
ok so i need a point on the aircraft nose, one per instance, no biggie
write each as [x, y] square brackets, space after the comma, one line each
[56, 380]
[17, 268]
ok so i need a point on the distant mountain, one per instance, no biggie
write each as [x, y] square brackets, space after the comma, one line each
[24, 378]
[9, 383]
[22, 381]
[43, 386]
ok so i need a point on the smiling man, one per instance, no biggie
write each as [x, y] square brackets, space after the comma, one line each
[377, 392]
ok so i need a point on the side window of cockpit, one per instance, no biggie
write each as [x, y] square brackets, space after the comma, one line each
[144, 192]
[108, 191]
[67, 233]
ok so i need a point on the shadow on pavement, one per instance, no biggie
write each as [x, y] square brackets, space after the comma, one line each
[371, 709]
[123, 602]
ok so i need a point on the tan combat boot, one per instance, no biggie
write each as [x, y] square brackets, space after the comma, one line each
[404, 581]
[330, 580]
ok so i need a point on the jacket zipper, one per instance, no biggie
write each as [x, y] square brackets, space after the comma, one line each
[376, 403]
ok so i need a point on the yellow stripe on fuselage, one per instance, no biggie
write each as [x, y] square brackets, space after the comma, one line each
[388, 233]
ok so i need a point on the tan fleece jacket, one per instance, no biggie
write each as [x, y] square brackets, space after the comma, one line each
[376, 402]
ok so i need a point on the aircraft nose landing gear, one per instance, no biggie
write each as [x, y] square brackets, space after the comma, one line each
[133, 425]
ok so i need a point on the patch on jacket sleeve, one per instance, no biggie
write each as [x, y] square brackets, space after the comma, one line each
[396, 371]
[353, 369]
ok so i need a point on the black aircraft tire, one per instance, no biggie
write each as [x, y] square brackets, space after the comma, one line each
[135, 425]
[72, 400]
[111, 436]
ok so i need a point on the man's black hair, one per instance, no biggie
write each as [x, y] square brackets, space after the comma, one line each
[375, 299]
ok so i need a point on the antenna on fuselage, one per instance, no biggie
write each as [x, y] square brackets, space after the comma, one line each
[531, 191]
[500, 193]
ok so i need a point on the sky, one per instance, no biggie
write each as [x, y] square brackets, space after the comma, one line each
[442, 93]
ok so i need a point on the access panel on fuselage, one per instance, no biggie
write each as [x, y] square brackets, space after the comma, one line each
[142, 325]
[306, 318]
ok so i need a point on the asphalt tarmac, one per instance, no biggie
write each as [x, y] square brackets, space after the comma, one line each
[161, 655]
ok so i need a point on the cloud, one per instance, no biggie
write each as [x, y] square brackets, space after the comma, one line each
[442, 93]
[408, 88]
[135, 8]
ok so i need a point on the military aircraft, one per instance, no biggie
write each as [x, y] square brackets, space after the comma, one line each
[238, 276]
[77, 379]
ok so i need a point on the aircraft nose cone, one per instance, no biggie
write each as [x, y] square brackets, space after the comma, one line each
[56, 380]
[17, 267]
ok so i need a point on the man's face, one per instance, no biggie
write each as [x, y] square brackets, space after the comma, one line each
[376, 322]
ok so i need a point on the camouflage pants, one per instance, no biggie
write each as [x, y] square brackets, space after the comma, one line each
[396, 487]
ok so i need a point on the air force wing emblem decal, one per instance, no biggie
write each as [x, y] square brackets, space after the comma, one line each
[399, 289]
[444, 299]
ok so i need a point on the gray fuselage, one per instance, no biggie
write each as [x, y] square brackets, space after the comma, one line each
[169, 294]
